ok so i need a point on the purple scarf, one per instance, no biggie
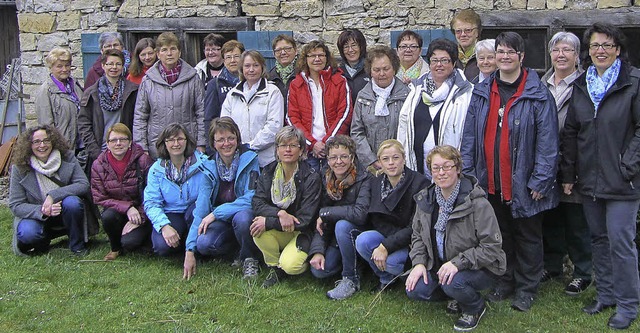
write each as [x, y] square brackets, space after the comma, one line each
[67, 89]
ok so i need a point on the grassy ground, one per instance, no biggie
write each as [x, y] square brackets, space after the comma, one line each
[58, 293]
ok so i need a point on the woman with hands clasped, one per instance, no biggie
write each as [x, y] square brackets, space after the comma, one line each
[456, 245]
[223, 211]
[173, 185]
[345, 202]
[286, 204]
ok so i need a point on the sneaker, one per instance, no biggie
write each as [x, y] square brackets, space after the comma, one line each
[344, 289]
[275, 275]
[453, 307]
[577, 286]
[499, 294]
[547, 276]
[522, 303]
[250, 268]
[467, 322]
[237, 263]
[80, 253]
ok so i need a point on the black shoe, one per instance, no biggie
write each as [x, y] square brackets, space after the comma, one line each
[80, 253]
[453, 307]
[383, 287]
[577, 286]
[597, 307]
[499, 294]
[619, 322]
[547, 276]
[522, 303]
[275, 275]
[468, 322]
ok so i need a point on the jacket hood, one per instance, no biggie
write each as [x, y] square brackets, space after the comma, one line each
[239, 88]
[186, 73]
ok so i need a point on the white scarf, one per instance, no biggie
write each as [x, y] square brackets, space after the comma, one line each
[382, 94]
[46, 170]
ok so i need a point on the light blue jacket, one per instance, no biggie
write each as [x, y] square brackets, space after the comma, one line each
[163, 196]
[244, 188]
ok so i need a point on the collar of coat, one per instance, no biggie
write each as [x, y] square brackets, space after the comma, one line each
[469, 190]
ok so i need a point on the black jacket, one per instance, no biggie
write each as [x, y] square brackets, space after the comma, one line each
[601, 151]
[274, 77]
[392, 216]
[356, 82]
[304, 208]
[353, 207]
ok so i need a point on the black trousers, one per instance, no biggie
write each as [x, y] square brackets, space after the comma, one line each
[113, 223]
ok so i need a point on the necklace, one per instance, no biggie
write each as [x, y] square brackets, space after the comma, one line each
[500, 115]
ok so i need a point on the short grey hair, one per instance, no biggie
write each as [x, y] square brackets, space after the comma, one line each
[486, 45]
[566, 37]
[290, 132]
[108, 36]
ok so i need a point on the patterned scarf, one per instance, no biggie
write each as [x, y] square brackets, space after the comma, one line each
[228, 174]
[46, 170]
[446, 207]
[110, 97]
[464, 57]
[412, 72]
[597, 86]
[335, 187]
[385, 187]
[382, 95]
[432, 96]
[67, 88]
[285, 71]
[175, 175]
[170, 75]
[283, 193]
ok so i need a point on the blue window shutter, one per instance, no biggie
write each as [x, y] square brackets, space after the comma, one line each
[427, 37]
[261, 42]
[90, 51]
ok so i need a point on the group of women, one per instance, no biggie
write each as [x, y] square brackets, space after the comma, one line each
[334, 187]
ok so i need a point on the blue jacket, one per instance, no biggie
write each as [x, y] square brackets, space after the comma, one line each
[533, 143]
[163, 196]
[216, 93]
[244, 188]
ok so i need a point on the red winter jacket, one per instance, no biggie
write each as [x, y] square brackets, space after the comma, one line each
[109, 192]
[337, 105]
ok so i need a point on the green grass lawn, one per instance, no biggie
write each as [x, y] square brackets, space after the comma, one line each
[59, 293]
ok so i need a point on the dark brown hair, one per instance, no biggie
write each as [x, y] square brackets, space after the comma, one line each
[301, 64]
[379, 51]
[173, 130]
[22, 151]
[135, 69]
[223, 124]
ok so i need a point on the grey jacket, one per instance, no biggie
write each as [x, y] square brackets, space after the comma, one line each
[56, 108]
[159, 104]
[368, 130]
[472, 236]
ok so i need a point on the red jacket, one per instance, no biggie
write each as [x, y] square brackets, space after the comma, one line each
[109, 192]
[337, 105]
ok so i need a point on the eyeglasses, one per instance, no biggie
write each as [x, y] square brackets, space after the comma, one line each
[444, 61]
[604, 46]
[118, 140]
[313, 56]
[175, 140]
[232, 57]
[437, 168]
[466, 31]
[113, 64]
[38, 142]
[291, 146]
[410, 47]
[111, 46]
[509, 53]
[335, 158]
[351, 46]
[490, 58]
[565, 50]
[286, 49]
[211, 50]
[230, 139]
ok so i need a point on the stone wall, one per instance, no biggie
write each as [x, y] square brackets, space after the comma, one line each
[45, 23]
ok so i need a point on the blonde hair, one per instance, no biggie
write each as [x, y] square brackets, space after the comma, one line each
[57, 53]
[448, 153]
[390, 143]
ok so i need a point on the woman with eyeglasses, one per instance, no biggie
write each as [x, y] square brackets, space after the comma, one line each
[286, 206]
[286, 54]
[173, 184]
[601, 160]
[409, 48]
[386, 247]
[213, 62]
[467, 26]
[223, 212]
[486, 59]
[257, 106]
[45, 193]
[456, 245]
[353, 49]
[319, 100]
[117, 177]
[436, 107]
[343, 215]
[109, 101]
[108, 40]
[144, 56]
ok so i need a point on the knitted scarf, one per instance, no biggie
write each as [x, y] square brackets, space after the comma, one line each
[597, 86]
[382, 95]
[46, 170]
[335, 187]
[283, 193]
[446, 207]
[228, 174]
[110, 97]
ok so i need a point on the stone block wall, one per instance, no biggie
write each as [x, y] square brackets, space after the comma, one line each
[45, 23]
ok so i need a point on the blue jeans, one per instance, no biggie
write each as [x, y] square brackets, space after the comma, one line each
[179, 221]
[343, 256]
[464, 288]
[615, 257]
[316, 163]
[33, 234]
[222, 237]
[368, 241]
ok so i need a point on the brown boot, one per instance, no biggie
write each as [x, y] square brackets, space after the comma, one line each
[112, 255]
